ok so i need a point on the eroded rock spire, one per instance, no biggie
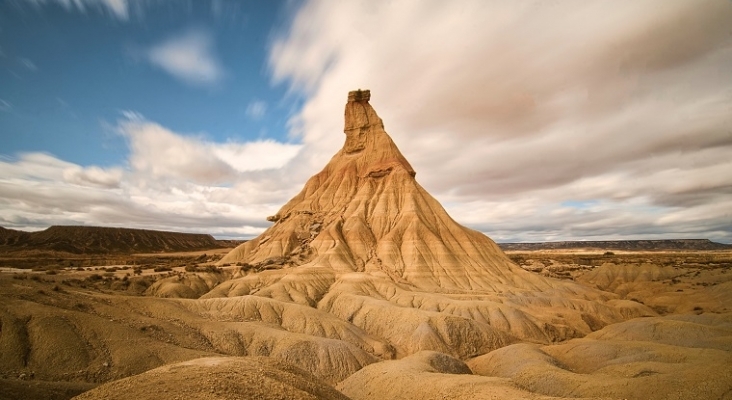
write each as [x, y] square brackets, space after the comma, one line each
[359, 118]
[368, 147]
[365, 212]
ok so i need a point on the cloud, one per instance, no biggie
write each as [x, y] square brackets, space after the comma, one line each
[117, 8]
[5, 105]
[256, 109]
[162, 153]
[188, 57]
[28, 64]
[258, 155]
[93, 176]
[528, 107]
[171, 181]
[528, 120]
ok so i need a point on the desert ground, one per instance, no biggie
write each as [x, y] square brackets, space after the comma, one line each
[116, 333]
[364, 287]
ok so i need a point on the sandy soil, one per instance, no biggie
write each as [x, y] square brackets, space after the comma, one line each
[63, 334]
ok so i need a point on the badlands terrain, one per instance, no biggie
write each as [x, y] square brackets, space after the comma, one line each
[364, 288]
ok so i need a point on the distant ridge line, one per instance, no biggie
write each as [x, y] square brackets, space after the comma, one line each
[629, 245]
[104, 240]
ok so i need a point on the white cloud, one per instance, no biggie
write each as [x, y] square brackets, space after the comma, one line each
[28, 64]
[172, 181]
[527, 120]
[258, 155]
[93, 176]
[162, 153]
[118, 8]
[189, 57]
[511, 112]
[5, 105]
[256, 109]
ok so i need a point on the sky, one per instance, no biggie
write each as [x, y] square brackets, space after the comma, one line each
[528, 120]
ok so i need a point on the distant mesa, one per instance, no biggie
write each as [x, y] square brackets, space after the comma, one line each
[626, 245]
[103, 240]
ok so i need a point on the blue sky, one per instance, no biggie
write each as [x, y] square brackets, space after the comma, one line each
[67, 70]
[529, 121]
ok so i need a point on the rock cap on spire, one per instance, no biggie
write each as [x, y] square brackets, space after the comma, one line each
[359, 95]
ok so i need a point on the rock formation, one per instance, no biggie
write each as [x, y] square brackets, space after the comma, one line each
[365, 212]
[363, 236]
[220, 378]
[102, 240]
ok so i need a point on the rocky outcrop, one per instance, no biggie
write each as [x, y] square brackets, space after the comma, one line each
[623, 245]
[225, 378]
[365, 242]
[365, 212]
[104, 240]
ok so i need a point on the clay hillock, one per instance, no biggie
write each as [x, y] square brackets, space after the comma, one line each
[428, 375]
[649, 358]
[646, 358]
[626, 245]
[666, 289]
[59, 332]
[221, 378]
[103, 240]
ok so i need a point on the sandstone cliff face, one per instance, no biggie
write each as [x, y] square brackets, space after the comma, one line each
[365, 242]
[365, 212]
